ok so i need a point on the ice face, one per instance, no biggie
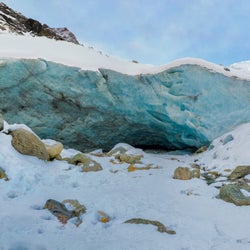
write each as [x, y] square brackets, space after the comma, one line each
[183, 106]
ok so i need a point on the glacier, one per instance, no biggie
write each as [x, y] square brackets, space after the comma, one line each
[184, 106]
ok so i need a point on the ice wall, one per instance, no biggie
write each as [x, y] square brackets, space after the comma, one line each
[184, 106]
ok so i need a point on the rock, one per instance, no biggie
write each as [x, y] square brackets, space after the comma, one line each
[88, 165]
[1, 122]
[239, 172]
[98, 109]
[53, 148]
[211, 176]
[91, 166]
[59, 210]
[132, 167]
[184, 173]
[27, 143]
[103, 217]
[201, 149]
[3, 175]
[160, 227]
[233, 193]
[62, 213]
[79, 209]
[130, 159]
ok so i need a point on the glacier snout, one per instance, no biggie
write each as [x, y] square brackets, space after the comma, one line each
[184, 106]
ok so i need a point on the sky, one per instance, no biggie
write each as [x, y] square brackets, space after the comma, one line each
[152, 32]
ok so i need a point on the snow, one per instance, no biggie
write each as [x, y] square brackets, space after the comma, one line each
[228, 155]
[16, 46]
[201, 221]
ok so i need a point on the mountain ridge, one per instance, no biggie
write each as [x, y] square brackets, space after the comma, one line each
[15, 22]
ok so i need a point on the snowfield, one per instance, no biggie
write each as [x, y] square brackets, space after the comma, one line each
[201, 221]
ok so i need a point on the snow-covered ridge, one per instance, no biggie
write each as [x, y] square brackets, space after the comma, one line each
[14, 46]
[16, 23]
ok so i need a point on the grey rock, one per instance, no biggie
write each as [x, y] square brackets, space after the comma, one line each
[239, 172]
[232, 193]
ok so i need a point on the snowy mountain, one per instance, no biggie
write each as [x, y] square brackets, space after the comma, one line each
[14, 22]
[123, 197]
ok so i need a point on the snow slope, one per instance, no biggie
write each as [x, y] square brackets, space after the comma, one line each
[201, 221]
[14, 46]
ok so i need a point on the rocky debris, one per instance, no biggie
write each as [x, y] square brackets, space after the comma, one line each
[103, 217]
[184, 173]
[28, 143]
[3, 175]
[53, 148]
[211, 176]
[239, 172]
[15, 22]
[1, 122]
[160, 227]
[62, 213]
[234, 193]
[88, 165]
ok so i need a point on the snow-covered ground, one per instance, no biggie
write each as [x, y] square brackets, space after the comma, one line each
[16, 46]
[201, 221]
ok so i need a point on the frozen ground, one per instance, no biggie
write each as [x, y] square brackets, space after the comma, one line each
[201, 221]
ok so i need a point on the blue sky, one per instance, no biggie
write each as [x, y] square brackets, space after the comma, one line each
[152, 31]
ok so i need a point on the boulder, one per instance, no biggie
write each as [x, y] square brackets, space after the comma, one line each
[27, 143]
[239, 172]
[87, 164]
[184, 173]
[53, 148]
[234, 193]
